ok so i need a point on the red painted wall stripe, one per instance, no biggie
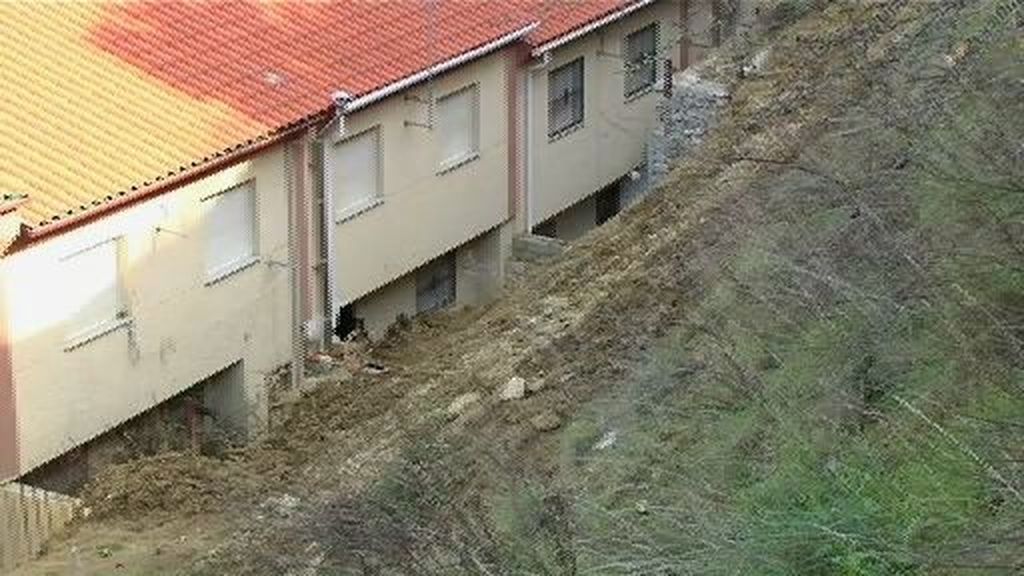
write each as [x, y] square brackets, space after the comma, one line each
[9, 449]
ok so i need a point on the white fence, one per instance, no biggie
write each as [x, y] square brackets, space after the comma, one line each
[29, 517]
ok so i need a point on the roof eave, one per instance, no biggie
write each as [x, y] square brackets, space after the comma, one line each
[588, 28]
[38, 232]
[439, 68]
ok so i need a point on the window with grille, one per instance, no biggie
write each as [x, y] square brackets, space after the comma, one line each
[565, 97]
[457, 127]
[94, 289]
[641, 60]
[356, 177]
[230, 230]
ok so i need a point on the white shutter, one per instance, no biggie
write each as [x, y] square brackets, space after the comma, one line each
[456, 125]
[231, 229]
[92, 281]
[356, 172]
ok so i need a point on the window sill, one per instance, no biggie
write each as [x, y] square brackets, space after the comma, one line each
[451, 165]
[565, 132]
[353, 211]
[231, 270]
[638, 94]
[86, 336]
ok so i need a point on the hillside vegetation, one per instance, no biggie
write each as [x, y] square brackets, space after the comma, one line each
[837, 383]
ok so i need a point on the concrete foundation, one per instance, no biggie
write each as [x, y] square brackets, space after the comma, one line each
[479, 278]
[534, 248]
[575, 221]
[219, 411]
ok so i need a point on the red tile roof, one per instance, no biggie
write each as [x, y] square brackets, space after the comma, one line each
[560, 17]
[103, 100]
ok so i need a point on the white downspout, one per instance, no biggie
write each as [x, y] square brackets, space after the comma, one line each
[528, 152]
[342, 100]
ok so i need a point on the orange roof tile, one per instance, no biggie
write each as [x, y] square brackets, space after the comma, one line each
[560, 17]
[102, 100]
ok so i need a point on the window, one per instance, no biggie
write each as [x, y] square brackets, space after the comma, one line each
[94, 289]
[565, 97]
[230, 231]
[356, 178]
[641, 60]
[457, 127]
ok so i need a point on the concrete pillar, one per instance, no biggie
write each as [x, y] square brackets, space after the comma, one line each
[236, 402]
[479, 269]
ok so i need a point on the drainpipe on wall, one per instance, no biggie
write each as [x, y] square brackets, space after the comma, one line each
[342, 101]
[528, 152]
[294, 158]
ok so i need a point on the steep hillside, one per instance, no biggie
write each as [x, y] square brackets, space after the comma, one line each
[801, 355]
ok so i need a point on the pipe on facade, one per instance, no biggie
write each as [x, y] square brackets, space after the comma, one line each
[528, 152]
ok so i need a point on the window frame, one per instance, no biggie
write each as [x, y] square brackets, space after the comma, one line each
[77, 336]
[359, 207]
[213, 276]
[449, 164]
[633, 65]
[575, 122]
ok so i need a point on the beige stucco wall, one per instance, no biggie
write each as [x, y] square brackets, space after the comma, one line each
[611, 140]
[424, 213]
[182, 330]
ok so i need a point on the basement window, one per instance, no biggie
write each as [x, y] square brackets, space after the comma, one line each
[641, 60]
[565, 98]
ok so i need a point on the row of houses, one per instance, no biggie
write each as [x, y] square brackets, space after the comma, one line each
[197, 194]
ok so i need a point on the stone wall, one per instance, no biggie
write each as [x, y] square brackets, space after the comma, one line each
[683, 121]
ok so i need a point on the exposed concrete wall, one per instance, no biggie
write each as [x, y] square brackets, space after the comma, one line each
[425, 211]
[479, 269]
[479, 275]
[382, 307]
[181, 330]
[576, 220]
[531, 248]
[610, 142]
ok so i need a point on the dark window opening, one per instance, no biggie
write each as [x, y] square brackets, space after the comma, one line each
[346, 322]
[546, 228]
[607, 203]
